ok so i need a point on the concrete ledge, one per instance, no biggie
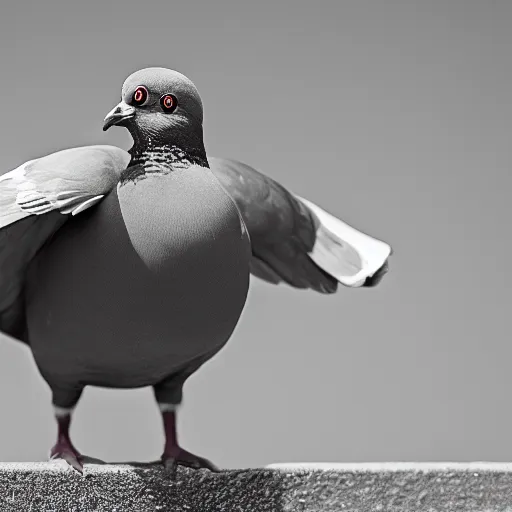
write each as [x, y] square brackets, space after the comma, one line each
[400, 487]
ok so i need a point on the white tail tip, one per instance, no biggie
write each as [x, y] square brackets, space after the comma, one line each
[347, 254]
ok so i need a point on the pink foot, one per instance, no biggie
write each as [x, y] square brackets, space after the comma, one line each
[176, 455]
[66, 451]
[64, 448]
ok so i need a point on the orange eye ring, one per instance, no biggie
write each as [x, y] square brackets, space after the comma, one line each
[168, 102]
[140, 96]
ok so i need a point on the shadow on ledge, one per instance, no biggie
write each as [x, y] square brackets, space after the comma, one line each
[141, 487]
[138, 487]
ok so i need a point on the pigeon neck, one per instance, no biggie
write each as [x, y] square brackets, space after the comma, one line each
[169, 155]
[165, 151]
[189, 142]
[150, 158]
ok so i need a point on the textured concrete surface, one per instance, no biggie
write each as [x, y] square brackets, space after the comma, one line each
[52, 487]
[397, 487]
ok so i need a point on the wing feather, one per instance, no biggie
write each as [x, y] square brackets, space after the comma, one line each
[36, 199]
[281, 228]
[294, 240]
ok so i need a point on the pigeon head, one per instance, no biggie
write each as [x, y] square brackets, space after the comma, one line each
[159, 107]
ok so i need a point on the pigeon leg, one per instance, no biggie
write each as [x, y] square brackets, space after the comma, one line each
[169, 394]
[63, 448]
[173, 454]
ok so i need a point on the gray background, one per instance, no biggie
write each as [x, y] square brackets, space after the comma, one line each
[393, 115]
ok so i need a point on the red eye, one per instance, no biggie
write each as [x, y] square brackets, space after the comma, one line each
[168, 102]
[140, 96]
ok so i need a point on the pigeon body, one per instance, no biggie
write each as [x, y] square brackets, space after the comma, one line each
[155, 277]
[133, 290]
[130, 269]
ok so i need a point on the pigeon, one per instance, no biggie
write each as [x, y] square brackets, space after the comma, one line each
[131, 269]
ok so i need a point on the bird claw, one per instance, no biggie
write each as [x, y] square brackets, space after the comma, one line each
[70, 455]
[180, 457]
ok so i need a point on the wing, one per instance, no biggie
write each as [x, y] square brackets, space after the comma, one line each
[35, 200]
[295, 241]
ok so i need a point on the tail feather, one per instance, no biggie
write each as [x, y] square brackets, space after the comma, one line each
[342, 251]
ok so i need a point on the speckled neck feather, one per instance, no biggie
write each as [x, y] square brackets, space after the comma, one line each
[160, 160]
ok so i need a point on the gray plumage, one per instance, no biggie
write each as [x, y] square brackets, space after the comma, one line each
[130, 269]
[282, 228]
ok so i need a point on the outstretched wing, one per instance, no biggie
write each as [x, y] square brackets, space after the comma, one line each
[295, 241]
[35, 200]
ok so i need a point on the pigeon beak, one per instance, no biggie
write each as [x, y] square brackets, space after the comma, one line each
[120, 113]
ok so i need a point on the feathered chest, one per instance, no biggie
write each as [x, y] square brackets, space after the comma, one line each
[174, 214]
